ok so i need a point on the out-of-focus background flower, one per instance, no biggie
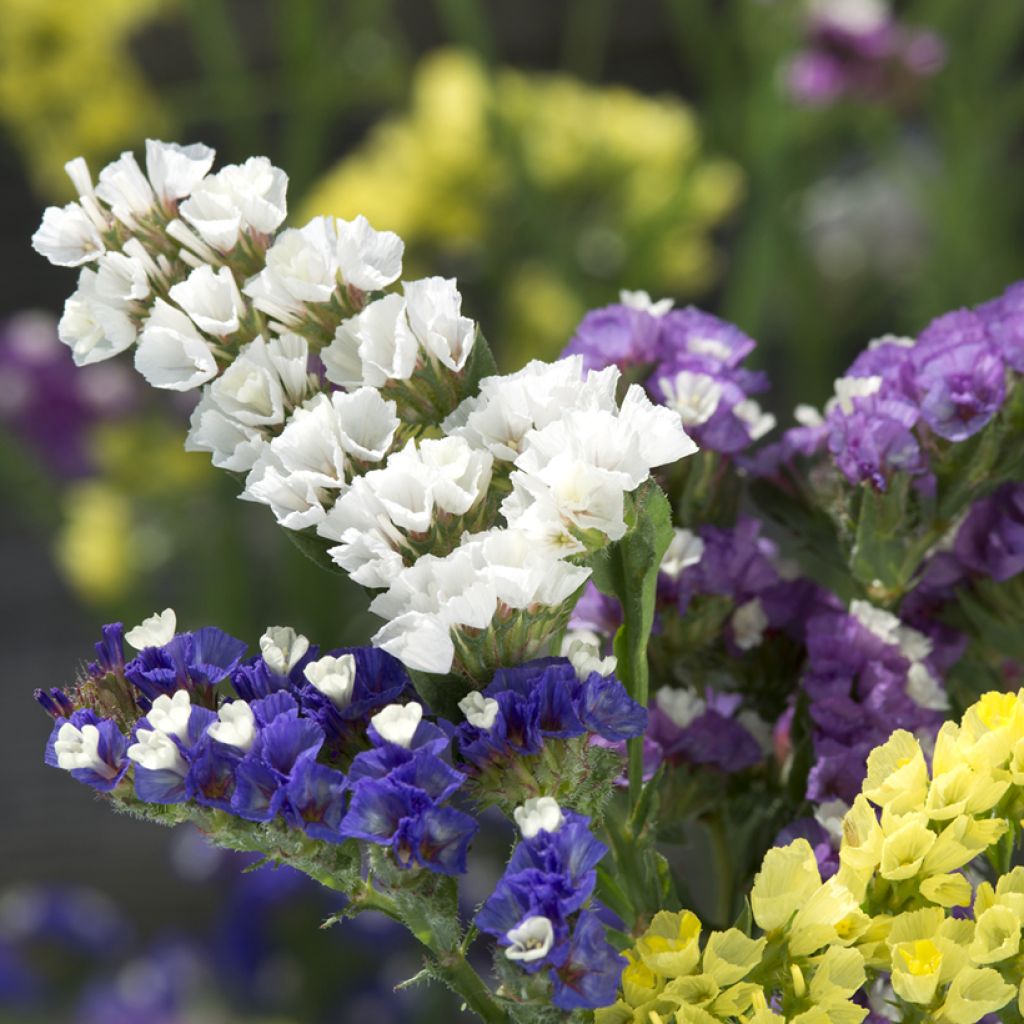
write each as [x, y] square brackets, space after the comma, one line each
[818, 171]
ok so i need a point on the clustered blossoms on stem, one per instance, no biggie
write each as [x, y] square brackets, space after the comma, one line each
[354, 412]
[907, 917]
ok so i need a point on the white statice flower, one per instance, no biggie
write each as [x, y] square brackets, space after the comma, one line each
[157, 752]
[301, 267]
[79, 749]
[532, 940]
[507, 407]
[538, 814]
[711, 348]
[249, 197]
[642, 300]
[235, 726]
[433, 316]
[572, 475]
[925, 690]
[211, 299]
[255, 393]
[301, 471]
[680, 707]
[913, 644]
[173, 170]
[170, 715]
[748, 624]
[685, 549]
[154, 631]
[694, 396]
[283, 648]
[855, 16]
[585, 658]
[93, 327]
[366, 258]
[125, 189]
[849, 388]
[334, 677]
[171, 353]
[68, 237]
[121, 279]
[481, 712]
[754, 418]
[499, 570]
[397, 723]
[368, 349]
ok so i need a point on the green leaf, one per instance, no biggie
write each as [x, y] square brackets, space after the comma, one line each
[879, 550]
[441, 693]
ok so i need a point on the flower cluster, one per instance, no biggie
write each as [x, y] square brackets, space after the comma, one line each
[692, 362]
[895, 915]
[857, 48]
[542, 913]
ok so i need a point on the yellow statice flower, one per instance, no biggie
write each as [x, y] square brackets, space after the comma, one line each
[68, 82]
[541, 188]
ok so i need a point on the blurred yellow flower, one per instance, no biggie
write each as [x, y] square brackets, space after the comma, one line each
[68, 83]
[539, 189]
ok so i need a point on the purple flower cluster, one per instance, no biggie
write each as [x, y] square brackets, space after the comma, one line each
[542, 914]
[860, 51]
[274, 752]
[867, 674]
[51, 404]
[691, 362]
[542, 700]
[903, 397]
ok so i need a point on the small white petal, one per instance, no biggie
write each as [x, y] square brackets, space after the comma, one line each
[538, 814]
[155, 631]
[398, 723]
[480, 711]
[532, 940]
[334, 677]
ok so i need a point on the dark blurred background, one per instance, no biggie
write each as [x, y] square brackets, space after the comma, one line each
[821, 173]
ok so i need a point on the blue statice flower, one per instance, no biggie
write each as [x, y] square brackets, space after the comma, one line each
[195, 662]
[544, 699]
[399, 789]
[541, 912]
[91, 748]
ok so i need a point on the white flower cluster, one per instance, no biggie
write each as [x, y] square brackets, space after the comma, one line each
[472, 536]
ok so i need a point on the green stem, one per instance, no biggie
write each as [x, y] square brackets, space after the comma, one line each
[724, 874]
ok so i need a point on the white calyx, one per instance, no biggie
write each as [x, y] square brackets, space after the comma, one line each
[480, 711]
[849, 388]
[236, 726]
[282, 648]
[586, 659]
[695, 396]
[538, 814]
[78, 749]
[829, 816]
[170, 714]
[154, 631]
[924, 689]
[334, 677]
[754, 418]
[398, 723]
[156, 751]
[642, 300]
[681, 707]
[684, 550]
[748, 624]
[532, 940]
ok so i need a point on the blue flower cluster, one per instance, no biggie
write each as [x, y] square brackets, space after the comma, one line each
[275, 751]
[545, 699]
[542, 912]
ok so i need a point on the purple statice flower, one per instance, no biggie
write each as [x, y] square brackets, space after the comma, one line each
[195, 662]
[596, 613]
[859, 50]
[875, 439]
[959, 378]
[1004, 322]
[618, 334]
[867, 674]
[990, 541]
[49, 402]
[399, 789]
[541, 912]
[91, 748]
[544, 699]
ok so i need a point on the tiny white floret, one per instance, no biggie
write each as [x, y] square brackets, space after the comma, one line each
[586, 659]
[398, 723]
[748, 624]
[236, 726]
[532, 940]
[157, 752]
[334, 677]
[681, 707]
[170, 714]
[480, 711]
[684, 550]
[538, 814]
[154, 631]
[282, 648]
[79, 749]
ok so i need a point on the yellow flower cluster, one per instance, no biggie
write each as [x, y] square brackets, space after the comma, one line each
[542, 184]
[912, 841]
[68, 83]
